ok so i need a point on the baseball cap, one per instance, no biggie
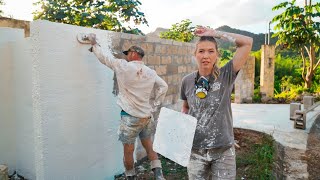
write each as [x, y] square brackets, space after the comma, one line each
[135, 49]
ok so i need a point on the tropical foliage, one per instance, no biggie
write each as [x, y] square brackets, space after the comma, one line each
[114, 15]
[182, 32]
[1, 4]
[299, 28]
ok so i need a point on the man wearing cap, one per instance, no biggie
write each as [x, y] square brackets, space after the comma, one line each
[135, 82]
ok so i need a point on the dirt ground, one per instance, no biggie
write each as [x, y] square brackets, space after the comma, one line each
[313, 151]
[173, 171]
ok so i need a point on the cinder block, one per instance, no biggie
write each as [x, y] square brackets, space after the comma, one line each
[299, 120]
[308, 102]
[293, 108]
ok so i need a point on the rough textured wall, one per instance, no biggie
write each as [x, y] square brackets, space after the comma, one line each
[244, 84]
[267, 70]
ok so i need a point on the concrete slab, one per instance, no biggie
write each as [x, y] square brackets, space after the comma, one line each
[273, 119]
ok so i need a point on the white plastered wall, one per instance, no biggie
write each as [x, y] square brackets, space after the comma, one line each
[75, 113]
[22, 113]
[7, 123]
[59, 119]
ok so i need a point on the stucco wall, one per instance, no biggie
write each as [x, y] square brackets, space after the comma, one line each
[22, 114]
[8, 131]
[74, 111]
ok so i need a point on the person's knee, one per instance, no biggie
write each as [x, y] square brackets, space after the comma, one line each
[147, 144]
[128, 148]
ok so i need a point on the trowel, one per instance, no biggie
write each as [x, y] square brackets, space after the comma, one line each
[83, 38]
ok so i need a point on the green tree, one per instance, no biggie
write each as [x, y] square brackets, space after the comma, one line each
[1, 4]
[299, 29]
[182, 32]
[114, 15]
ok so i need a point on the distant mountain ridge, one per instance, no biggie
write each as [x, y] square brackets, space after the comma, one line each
[258, 39]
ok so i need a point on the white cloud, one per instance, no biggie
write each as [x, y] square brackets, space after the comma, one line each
[19, 9]
[252, 15]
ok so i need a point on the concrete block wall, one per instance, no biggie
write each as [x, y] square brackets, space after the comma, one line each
[244, 85]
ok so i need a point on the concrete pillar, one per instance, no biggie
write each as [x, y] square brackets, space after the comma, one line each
[244, 84]
[308, 102]
[267, 70]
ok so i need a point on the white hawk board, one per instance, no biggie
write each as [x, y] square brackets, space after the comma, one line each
[174, 135]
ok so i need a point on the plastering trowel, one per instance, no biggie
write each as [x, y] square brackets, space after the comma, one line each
[83, 38]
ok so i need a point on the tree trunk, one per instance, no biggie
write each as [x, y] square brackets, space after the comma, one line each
[308, 81]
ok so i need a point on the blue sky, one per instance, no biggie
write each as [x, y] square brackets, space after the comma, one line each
[250, 15]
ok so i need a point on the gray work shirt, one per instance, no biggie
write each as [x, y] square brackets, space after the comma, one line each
[215, 124]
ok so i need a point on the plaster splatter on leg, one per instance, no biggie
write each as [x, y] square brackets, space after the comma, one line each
[198, 167]
[225, 165]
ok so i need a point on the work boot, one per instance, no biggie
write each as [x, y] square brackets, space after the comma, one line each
[131, 177]
[158, 173]
[131, 174]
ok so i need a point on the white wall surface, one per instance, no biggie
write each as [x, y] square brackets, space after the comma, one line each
[10, 35]
[22, 89]
[7, 123]
[75, 114]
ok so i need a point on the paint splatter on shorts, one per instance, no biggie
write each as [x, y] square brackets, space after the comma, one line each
[215, 163]
[132, 127]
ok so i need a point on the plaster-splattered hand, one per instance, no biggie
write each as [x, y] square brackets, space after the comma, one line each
[92, 38]
[203, 31]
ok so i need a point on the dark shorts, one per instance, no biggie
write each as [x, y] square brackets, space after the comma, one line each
[132, 127]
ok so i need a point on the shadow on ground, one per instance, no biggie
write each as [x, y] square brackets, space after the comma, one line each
[313, 150]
